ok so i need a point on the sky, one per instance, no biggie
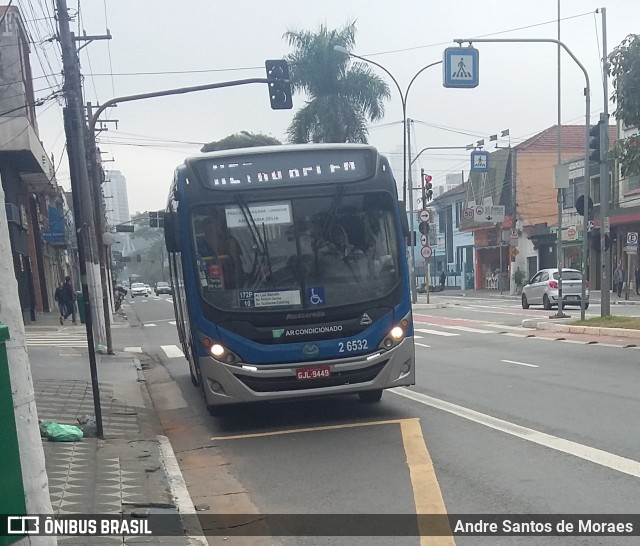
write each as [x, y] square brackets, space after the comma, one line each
[157, 44]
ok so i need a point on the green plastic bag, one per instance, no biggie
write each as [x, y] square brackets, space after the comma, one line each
[56, 432]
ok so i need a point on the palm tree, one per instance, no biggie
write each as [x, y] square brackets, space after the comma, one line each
[343, 95]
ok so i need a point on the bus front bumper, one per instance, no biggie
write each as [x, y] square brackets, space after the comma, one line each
[234, 384]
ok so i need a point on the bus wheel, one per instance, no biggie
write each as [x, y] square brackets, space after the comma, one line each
[196, 378]
[370, 396]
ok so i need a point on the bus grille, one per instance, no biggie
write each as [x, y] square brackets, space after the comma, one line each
[269, 384]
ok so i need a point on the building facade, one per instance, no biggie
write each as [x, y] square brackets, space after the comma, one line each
[27, 174]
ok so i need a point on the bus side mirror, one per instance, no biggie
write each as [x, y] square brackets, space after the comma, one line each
[172, 232]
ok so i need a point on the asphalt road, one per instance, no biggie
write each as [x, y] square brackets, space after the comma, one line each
[511, 424]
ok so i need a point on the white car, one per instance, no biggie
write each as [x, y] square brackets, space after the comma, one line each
[139, 289]
[543, 289]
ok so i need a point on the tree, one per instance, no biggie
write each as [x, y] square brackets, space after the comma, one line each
[343, 95]
[243, 139]
[624, 67]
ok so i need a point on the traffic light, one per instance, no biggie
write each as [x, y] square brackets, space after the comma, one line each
[427, 186]
[594, 143]
[280, 87]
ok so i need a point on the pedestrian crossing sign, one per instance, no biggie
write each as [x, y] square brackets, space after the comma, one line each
[480, 161]
[460, 65]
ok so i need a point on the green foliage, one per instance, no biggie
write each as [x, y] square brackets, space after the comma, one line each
[624, 67]
[243, 139]
[343, 95]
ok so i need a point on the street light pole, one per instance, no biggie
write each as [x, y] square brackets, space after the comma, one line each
[587, 100]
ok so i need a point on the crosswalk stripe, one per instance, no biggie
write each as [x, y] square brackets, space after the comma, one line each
[149, 325]
[172, 351]
[424, 345]
[435, 332]
[132, 349]
[466, 329]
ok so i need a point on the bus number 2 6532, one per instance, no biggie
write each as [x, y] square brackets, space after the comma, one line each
[355, 345]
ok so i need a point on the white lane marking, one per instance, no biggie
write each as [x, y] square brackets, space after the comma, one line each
[132, 349]
[172, 351]
[466, 329]
[597, 456]
[576, 341]
[149, 324]
[434, 332]
[424, 345]
[172, 322]
[169, 300]
[520, 363]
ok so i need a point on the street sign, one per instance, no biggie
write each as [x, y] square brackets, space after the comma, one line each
[631, 245]
[467, 214]
[480, 162]
[572, 233]
[424, 215]
[460, 66]
[590, 226]
[514, 236]
[125, 229]
[514, 253]
[426, 252]
[489, 213]
[424, 240]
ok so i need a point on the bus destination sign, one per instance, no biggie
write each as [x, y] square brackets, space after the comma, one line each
[284, 168]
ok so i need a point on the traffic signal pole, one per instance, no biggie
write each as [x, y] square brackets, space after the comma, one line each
[412, 247]
[605, 197]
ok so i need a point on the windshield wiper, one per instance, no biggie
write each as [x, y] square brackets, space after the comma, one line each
[262, 249]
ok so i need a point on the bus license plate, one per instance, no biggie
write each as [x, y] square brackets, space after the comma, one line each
[317, 372]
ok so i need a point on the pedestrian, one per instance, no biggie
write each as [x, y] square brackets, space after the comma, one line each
[60, 301]
[638, 280]
[443, 279]
[618, 279]
[68, 300]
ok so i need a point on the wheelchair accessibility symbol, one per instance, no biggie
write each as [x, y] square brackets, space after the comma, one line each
[315, 295]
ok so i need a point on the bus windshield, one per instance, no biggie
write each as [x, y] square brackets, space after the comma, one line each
[292, 254]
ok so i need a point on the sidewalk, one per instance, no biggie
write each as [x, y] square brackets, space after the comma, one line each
[594, 296]
[131, 471]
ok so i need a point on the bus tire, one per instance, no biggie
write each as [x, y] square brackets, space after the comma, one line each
[370, 397]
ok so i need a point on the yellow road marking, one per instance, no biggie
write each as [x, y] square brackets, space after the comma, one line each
[426, 490]
[309, 429]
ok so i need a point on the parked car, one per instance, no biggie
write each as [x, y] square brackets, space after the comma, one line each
[163, 288]
[139, 289]
[542, 289]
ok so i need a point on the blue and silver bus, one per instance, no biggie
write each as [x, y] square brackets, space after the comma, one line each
[289, 273]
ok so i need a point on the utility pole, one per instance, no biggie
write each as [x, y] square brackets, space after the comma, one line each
[605, 194]
[73, 95]
[98, 204]
[82, 204]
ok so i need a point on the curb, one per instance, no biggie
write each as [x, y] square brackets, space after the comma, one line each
[184, 504]
[590, 330]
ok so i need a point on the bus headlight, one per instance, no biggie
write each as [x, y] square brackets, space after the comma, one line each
[395, 335]
[220, 352]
